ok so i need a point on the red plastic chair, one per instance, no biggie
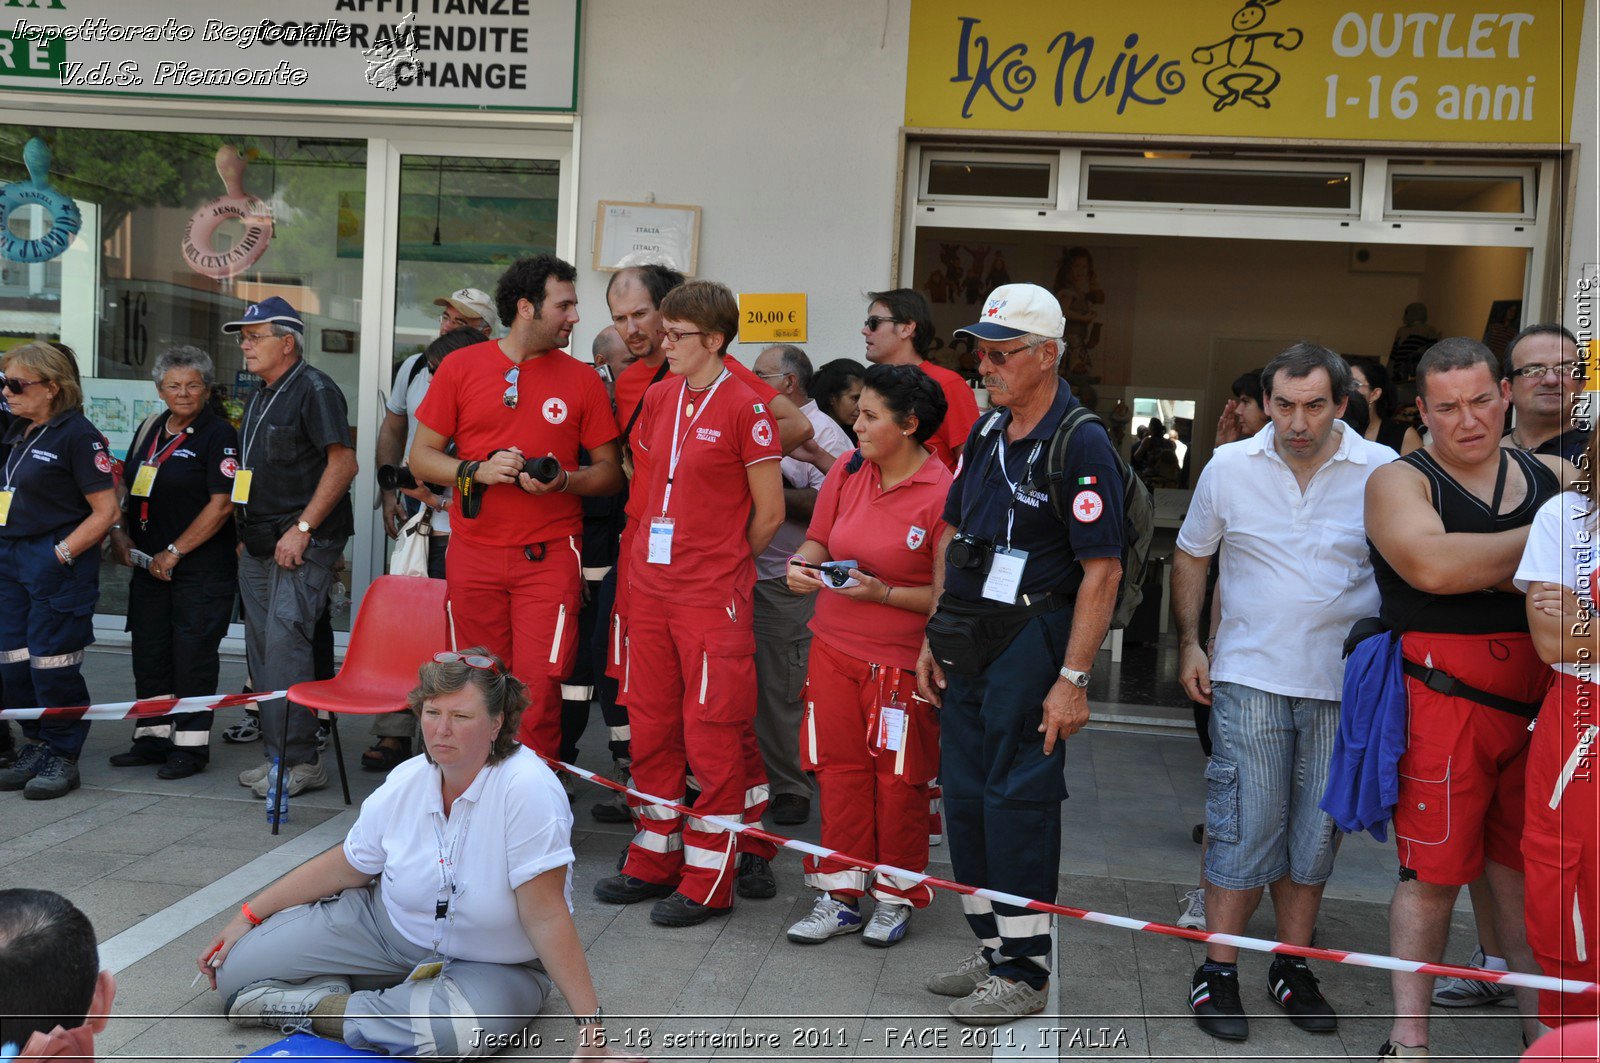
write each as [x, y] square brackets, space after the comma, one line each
[402, 623]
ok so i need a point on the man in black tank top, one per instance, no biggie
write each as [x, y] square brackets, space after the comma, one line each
[1447, 525]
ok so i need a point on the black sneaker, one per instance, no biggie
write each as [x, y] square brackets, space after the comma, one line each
[1294, 987]
[678, 910]
[755, 879]
[625, 889]
[1214, 999]
[180, 765]
[57, 776]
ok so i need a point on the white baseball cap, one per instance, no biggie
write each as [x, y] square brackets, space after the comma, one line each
[472, 303]
[1014, 310]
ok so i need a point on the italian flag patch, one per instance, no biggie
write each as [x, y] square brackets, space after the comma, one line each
[1085, 481]
[760, 408]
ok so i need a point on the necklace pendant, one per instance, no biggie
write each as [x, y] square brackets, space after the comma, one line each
[689, 409]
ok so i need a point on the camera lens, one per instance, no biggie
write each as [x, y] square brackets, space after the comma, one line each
[395, 477]
[544, 470]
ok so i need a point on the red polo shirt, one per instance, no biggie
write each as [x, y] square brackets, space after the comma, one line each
[959, 418]
[561, 406]
[893, 535]
[710, 504]
[637, 384]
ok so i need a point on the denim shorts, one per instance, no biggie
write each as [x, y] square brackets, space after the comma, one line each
[1264, 782]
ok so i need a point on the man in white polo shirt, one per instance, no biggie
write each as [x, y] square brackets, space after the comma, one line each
[1285, 506]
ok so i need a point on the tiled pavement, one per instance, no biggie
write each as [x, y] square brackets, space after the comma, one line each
[160, 866]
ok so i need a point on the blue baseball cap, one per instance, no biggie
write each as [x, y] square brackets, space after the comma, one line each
[273, 311]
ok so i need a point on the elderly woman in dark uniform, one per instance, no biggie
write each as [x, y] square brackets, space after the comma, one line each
[56, 504]
[178, 515]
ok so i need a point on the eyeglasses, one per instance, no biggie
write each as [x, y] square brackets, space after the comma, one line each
[510, 397]
[998, 358]
[17, 387]
[248, 341]
[1360, 386]
[772, 376]
[1536, 370]
[471, 660]
[676, 335]
[603, 372]
[183, 389]
[872, 323]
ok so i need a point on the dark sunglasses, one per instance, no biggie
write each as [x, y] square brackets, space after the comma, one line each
[17, 387]
[510, 397]
[998, 358]
[874, 321]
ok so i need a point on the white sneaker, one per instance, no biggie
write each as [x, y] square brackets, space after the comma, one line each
[297, 779]
[828, 918]
[1471, 993]
[247, 729]
[888, 924]
[967, 976]
[285, 1005]
[997, 1001]
[252, 776]
[1194, 909]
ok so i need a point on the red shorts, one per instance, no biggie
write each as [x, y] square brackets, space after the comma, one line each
[1561, 846]
[1461, 776]
[526, 613]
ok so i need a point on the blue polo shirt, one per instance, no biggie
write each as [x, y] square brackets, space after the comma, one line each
[51, 470]
[980, 501]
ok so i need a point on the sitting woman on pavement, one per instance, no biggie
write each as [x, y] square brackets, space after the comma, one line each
[872, 742]
[448, 903]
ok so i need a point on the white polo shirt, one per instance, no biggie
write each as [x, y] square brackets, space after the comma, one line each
[1561, 548]
[1296, 573]
[774, 561]
[406, 397]
[512, 824]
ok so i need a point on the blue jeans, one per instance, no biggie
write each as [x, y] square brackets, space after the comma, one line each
[1266, 776]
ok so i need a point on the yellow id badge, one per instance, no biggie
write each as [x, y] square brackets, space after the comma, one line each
[143, 481]
[5, 506]
[425, 970]
[241, 486]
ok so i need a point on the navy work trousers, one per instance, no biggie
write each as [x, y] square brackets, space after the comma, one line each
[46, 621]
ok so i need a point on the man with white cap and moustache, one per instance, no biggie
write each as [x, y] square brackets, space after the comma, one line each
[1024, 600]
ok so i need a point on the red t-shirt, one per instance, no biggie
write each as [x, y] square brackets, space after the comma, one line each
[637, 386]
[710, 504]
[561, 406]
[893, 535]
[959, 418]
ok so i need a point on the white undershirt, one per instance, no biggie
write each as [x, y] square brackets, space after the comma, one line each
[1561, 549]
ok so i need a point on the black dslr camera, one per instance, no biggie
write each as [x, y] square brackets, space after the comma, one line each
[968, 552]
[396, 478]
[544, 470]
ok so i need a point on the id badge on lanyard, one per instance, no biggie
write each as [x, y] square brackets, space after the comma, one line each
[659, 551]
[241, 486]
[660, 541]
[5, 506]
[1007, 565]
[144, 480]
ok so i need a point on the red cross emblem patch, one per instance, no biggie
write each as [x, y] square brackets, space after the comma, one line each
[1087, 507]
[555, 411]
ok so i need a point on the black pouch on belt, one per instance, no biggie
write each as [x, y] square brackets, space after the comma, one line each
[261, 538]
[966, 637]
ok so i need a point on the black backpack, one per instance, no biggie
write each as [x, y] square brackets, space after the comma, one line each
[1138, 507]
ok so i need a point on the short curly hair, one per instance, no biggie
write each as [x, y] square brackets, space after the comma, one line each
[526, 278]
[504, 696]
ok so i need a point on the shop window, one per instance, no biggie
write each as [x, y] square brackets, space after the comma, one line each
[1503, 194]
[978, 177]
[1157, 182]
[180, 231]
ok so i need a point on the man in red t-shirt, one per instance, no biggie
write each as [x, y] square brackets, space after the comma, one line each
[899, 331]
[710, 497]
[514, 573]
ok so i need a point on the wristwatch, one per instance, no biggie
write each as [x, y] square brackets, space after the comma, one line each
[1075, 677]
[303, 526]
[172, 548]
[591, 1020]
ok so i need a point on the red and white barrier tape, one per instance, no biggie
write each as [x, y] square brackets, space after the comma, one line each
[140, 710]
[1353, 959]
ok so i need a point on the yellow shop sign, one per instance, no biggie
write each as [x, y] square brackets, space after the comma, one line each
[1485, 71]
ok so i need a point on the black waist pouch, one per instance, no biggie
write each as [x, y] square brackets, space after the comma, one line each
[966, 638]
[261, 538]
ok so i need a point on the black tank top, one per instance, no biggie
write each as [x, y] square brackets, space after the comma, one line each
[1480, 612]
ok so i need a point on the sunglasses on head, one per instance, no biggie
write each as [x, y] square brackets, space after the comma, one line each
[471, 660]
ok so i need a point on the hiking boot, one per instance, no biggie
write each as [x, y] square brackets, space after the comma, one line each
[1193, 916]
[998, 1001]
[678, 910]
[962, 981]
[625, 889]
[284, 1005]
[613, 808]
[888, 924]
[137, 757]
[251, 776]
[247, 729]
[1294, 987]
[1471, 993]
[755, 879]
[829, 918]
[25, 767]
[1214, 999]
[57, 777]
[297, 778]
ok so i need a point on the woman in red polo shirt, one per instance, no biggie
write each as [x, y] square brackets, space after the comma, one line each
[872, 742]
